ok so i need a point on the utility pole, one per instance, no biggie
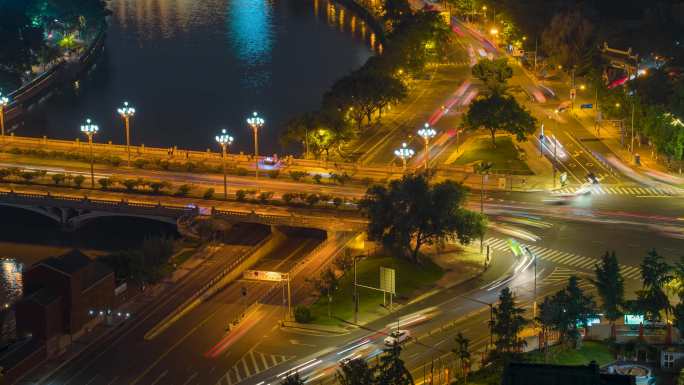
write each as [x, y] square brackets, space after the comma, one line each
[356, 297]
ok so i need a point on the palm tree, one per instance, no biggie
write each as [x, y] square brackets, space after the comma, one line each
[463, 354]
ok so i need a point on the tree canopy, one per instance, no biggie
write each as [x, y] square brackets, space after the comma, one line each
[411, 213]
[508, 323]
[652, 299]
[610, 286]
[493, 73]
[500, 112]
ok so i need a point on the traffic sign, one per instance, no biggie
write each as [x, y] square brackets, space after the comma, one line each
[387, 281]
[586, 106]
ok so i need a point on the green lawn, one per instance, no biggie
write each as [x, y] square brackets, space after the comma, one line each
[410, 278]
[591, 350]
[504, 156]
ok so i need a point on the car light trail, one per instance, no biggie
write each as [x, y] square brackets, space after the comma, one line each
[300, 367]
[354, 347]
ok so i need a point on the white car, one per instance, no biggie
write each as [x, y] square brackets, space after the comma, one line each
[397, 337]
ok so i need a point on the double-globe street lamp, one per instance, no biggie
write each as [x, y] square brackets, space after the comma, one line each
[90, 130]
[405, 153]
[126, 112]
[256, 122]
[224, 140]
[4, 101]
[427, 133]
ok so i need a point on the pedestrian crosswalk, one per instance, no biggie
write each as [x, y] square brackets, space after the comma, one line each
[563, 258]
[250, 365]
[560, 275]
[634, 191]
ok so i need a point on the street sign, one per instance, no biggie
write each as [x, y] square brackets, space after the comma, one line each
[387, 280]
[586, 106]
[260, 275]
[573, 93]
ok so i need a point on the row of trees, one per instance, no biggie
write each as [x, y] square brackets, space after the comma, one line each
[413, 39]
[149, 263]
[570, 308]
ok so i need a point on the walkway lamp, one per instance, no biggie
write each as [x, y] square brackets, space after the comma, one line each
[224, 140]
[4, 101]
[90, 130]
[126, 112]
[427, 133]
[405, 154]
[256, 122]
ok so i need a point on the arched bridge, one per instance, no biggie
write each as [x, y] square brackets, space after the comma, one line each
[73, 212]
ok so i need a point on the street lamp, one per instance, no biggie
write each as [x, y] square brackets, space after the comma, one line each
[427, 133]
[90, 129]
[224, 140]
[256, 123]
[4, 101]
[404, 153]
[126, 112]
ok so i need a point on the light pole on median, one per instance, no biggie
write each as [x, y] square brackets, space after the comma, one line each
[405, 153]
[256, 123]
[90, 130]
[4, 101]
[126, 112]
[427, 133]
[224, 140]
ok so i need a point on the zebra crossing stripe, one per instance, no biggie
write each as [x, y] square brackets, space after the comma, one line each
[251, 364]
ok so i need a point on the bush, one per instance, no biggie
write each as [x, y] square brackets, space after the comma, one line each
[78, 180]
[58, 178]
[337, 201]
[367, 181]
[27, 175]
[130, 184]
[312, 199]
[241, 171]
[317, 178]
[297, 175]
[240, 195]
[105, 183]
[288, 197]
[4, 173]
[140, 163]
[183, 190]
[265, 196]
[209, 193]
[344, 262]
[302, 314]
[273, 174]
[157, 186]
[115, 161]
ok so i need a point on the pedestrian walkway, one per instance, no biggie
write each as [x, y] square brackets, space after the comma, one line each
[633, 191]
[563, 258]
[250, 365]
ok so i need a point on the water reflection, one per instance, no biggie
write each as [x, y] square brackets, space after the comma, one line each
[250, 31]
[341, 18]
[10, 280]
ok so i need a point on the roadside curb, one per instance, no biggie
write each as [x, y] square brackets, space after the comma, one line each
[331, 330]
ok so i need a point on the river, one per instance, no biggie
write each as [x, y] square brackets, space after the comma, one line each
[193, 67]
[190, 68]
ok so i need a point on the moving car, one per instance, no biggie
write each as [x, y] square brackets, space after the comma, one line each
[397, 337]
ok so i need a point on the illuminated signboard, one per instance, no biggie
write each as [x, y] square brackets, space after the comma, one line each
[633, 319]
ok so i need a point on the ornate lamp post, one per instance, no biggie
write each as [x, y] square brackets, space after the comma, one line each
[224, 140]
[126, 112]
[427, 133]
[90, 130]
[256, 122]
[4, 101]
[404, 153]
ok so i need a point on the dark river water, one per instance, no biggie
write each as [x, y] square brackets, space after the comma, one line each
[193, 67]
[190, 68]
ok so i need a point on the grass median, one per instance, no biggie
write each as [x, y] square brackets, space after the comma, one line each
[411, 279]
[504, 157]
